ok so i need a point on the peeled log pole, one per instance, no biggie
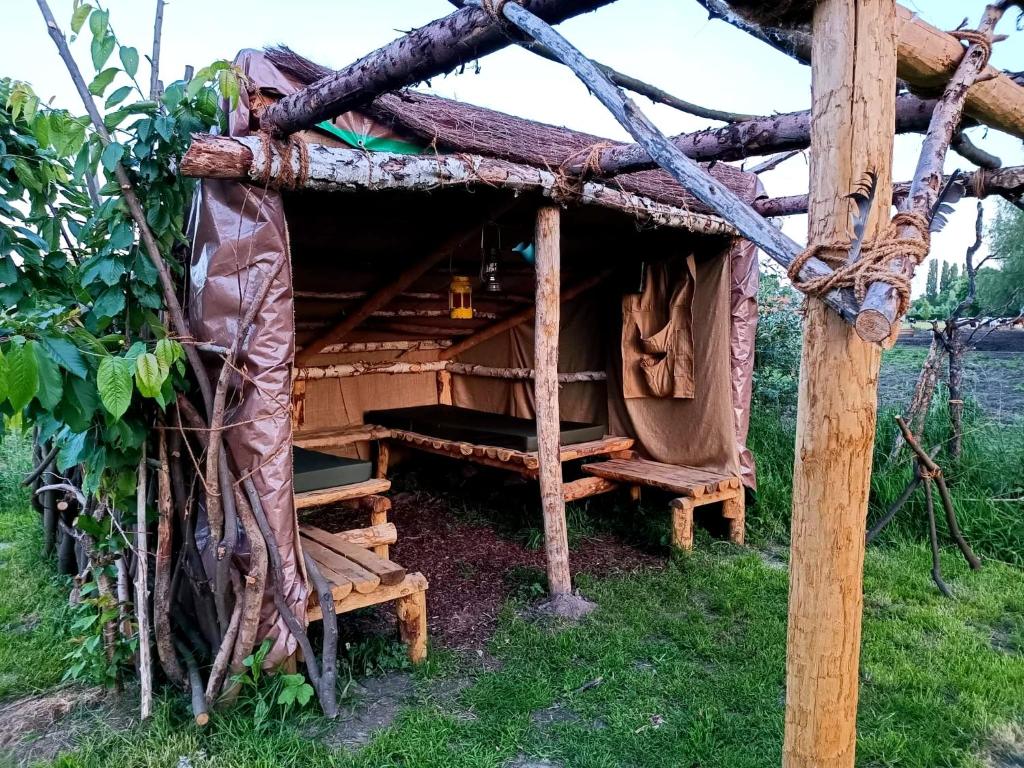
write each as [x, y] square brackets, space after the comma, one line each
[361, 368]
[545, 389]
[852, 84]
[142, 592]
[433, 49]
[878, 317]
[1008, 182]
[691, 176]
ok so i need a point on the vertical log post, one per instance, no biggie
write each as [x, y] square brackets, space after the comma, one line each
[545, 389]
[852, 126]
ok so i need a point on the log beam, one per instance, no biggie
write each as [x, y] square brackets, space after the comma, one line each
[927, 59]
[352, 170]
[545, 392]
[1006, 182]
[433, 49]
[853, 80]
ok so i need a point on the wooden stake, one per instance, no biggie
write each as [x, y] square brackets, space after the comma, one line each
[545, 389]
[142, 592]
[854, 77]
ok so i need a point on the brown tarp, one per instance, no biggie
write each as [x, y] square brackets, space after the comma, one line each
[238, 232]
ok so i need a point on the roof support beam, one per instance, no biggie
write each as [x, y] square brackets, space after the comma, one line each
[1006, 182]
[431, 50]
[350, 170]
[927, 59]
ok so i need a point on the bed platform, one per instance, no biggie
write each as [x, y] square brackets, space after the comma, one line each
[321, 478]
[452, 423]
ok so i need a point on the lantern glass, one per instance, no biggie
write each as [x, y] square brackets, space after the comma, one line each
[460, 298]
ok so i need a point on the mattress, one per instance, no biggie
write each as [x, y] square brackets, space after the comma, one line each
[315, 471]
[450, 422]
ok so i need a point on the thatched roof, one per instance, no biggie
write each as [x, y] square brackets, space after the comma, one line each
[447, 125]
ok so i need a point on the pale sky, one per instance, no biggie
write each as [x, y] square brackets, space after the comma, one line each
[669, 43]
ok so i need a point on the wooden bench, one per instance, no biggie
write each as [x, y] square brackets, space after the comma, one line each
[696, 488]
[360, 577]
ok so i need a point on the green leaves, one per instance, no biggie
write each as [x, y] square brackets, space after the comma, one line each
[150, 375]
[99, 83]
[114, 381]
[22, 375]
[101, 49]
[66, 355]
[79, 16]
[111, 156]
[130, 60]
[50, 385]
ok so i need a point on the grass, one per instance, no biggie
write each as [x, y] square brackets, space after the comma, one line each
[679, 667]
[682, 666]
[33, 613]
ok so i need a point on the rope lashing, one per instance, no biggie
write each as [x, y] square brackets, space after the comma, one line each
[873, 264]
[288, 176]
[973, 37]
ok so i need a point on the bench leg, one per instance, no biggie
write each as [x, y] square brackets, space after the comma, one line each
[383, 458]
[734, 510]
[379, 508]
[412, 624]
[682, 524]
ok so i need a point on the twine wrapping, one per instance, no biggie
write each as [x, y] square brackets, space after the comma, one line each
[974, 37]
[873, 264]
[288, 177]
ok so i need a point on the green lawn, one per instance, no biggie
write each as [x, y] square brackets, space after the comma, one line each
[690, 662]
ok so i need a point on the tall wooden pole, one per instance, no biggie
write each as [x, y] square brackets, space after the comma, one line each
[545, 392]
[852, 125]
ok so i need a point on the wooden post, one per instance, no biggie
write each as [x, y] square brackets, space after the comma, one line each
[545, 390]
[853, 79]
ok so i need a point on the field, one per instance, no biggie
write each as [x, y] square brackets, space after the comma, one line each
[683, 663]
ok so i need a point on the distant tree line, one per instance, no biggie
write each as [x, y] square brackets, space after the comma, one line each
[1000, 287]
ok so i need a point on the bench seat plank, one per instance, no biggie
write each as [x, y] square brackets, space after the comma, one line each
[363, 581]
[341, 493]
[685, 481]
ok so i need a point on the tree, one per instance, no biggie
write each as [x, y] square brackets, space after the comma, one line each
[944, 280]
[931, 290]
[1001, 290]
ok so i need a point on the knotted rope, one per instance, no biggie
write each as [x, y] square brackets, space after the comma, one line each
[873, 264]
[973, 37]
[288, 176]
[568, 185]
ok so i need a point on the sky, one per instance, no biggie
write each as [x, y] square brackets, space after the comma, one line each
[669, 43]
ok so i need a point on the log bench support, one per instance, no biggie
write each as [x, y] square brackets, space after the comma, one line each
[356, 565]
[733, 510]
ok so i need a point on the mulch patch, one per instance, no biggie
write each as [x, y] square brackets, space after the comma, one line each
[471, 567]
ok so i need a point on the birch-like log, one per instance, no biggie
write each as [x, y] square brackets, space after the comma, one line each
[142, 592]
[352, 170]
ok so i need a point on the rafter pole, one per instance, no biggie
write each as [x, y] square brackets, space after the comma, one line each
[433, 49]
[853, 79]
[691, 176]
[375, 301]
[523, 316]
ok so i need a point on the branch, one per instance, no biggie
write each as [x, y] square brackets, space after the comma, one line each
[639, 87]
[969, 268]
[878, 314]
[970, 151]
[437, 47]
[44, 462]
[154, 59]
[692, 177]
[134, 207]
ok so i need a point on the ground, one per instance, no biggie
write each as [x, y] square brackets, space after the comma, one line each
[682, 664]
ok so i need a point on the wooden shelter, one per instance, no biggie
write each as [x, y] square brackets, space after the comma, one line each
[579, 210]
[385, 207]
